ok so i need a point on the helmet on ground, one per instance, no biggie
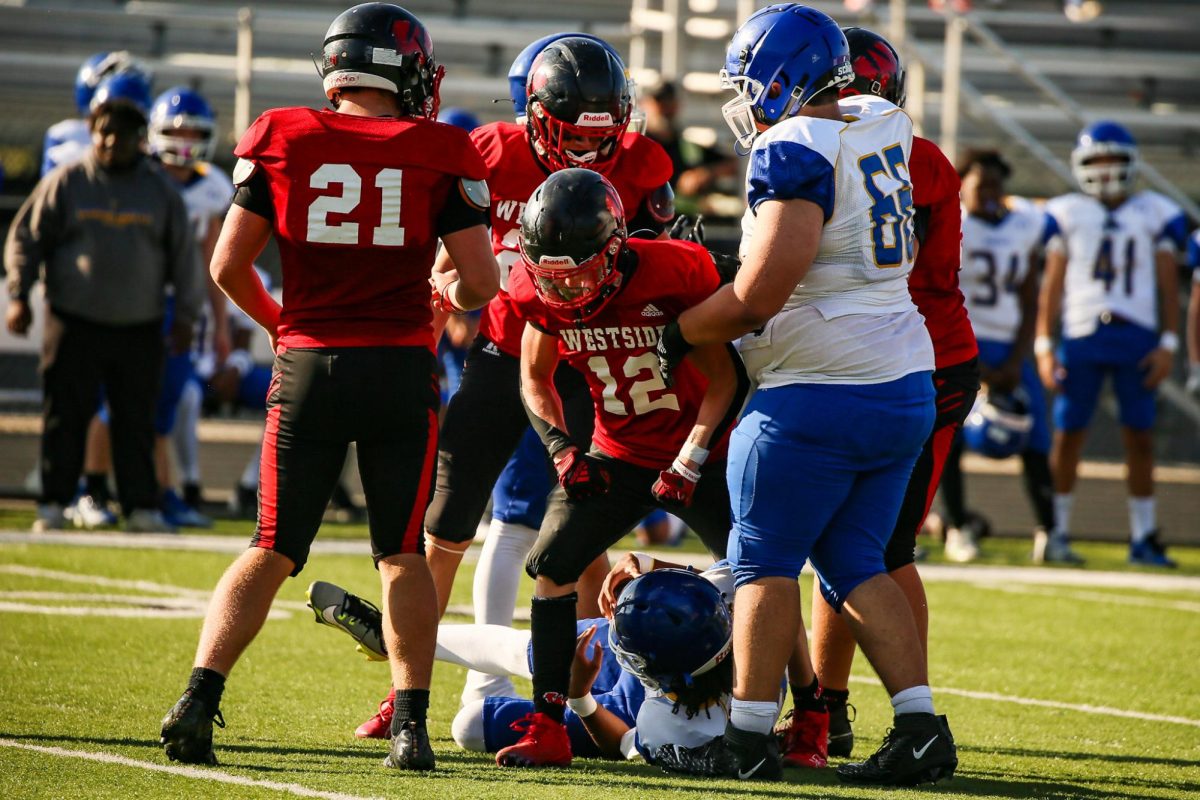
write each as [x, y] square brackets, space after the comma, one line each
[1115, 177]
[96, 68]
[779, 60]
[459, 118]
[572, 232]
[579, 104]
[999, 425]
[382, 46]
[126, 88]
[878, 69]
[183, 127]
[668, 627]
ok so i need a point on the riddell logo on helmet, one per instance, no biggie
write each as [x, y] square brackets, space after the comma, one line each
[556, 261]
[342, 79]
[588, 119]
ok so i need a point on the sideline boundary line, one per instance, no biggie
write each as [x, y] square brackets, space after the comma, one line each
[194, 773]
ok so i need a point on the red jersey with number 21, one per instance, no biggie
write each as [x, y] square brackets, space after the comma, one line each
[638, 419]
[356, 203]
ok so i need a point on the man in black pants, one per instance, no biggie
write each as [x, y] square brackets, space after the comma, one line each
[112, 232]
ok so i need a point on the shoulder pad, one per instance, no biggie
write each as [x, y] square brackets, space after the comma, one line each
[476, 193]
[243, 170]
[660, 203]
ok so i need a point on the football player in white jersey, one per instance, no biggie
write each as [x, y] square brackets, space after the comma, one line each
[844, 366]
[1111, 281]
[67, 141]
[1002, 241]
[1193, 318]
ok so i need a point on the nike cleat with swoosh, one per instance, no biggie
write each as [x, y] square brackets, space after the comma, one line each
[918, 749]
[738, 754]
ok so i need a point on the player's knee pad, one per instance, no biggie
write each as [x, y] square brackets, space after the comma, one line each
[467, 727]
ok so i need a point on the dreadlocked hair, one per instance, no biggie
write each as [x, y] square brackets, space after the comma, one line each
[704, 691]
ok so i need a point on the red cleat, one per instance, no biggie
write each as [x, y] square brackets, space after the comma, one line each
[804, 739]
[544, 744]
[380, 725]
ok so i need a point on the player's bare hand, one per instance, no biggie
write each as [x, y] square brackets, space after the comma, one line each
[1157, 366]
[222, 346]
[625, 570]
[18, 317]
[1050, 371]
[589, 656]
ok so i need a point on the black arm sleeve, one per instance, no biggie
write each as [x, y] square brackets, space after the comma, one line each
[255, 196]
[555, 440]
[921, 222]
[459, 214]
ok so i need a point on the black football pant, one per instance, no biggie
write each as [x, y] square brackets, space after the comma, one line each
[78, 356]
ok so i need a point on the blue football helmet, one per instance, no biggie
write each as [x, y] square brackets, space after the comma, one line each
[98, 67]
[669, 626]
[132, 88]
[781, 58]
[999, 425]
[177, 110]
[459, 118]
[1105, 181]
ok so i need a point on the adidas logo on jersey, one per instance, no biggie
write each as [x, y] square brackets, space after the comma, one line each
[491, 349]
[651, 310]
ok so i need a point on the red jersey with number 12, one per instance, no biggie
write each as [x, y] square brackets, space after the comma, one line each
[638, 419]
[356, 203]
[639, 168]
[933, 281]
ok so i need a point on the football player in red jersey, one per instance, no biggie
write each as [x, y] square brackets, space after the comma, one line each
[598, 300]
[934, 287]
[357, 199]
[578, 111]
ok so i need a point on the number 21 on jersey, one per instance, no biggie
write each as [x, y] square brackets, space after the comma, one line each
[387, 182]
[887, 181]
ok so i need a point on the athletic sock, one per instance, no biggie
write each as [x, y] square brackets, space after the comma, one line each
[498, 573]
[914, 700]
[808, 698]
[833, 697]
[1062, 514]
[409, 705]
[753, 716]
[208, 685]
[552, 627]
[1142, 515]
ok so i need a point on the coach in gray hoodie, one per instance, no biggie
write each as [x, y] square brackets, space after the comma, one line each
[108, 235]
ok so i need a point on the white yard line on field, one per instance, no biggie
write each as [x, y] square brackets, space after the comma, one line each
[195, 773]
[1100, 597]
[1082, 708]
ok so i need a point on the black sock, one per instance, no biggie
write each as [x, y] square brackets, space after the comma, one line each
[410, 705]
[191, 495]
[808, 698]
[208, 685]
[834, 697]
[96, 484]
[552, 623]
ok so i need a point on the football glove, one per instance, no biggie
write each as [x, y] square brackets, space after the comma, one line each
[671, 349]
[582, 476]
[674, 489]
[688, 229]
[441, 300]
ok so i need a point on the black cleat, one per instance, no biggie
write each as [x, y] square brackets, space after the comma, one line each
[742, 755]
[411, 748]
[187, 731]
[919, 749]
[841, 735]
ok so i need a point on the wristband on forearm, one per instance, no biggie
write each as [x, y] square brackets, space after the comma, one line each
[583, 706]
[1043, 345]
[1169, 341]
[694, 453]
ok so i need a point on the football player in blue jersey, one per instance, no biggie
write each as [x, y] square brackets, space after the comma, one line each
[1002, 240]
[1111, 281]
[844, 366]
[1193, 317]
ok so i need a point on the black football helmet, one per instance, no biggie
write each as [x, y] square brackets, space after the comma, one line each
[877, 66]
[382, 46]
[578, 106]
[572, 232]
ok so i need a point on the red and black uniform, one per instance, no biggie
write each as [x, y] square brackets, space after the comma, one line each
[640, 424]
[485, 418]
[934, 286]
[357, 205]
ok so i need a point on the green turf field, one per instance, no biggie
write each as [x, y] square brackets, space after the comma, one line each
[1053, 691]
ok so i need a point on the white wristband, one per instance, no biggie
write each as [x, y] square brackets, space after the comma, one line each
[1043, 345]
[686, 471]
[645, 562]
[694, 453]
[583, 706]
[1169, 341]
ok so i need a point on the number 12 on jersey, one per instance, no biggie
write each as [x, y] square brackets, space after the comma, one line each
[892, 206]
